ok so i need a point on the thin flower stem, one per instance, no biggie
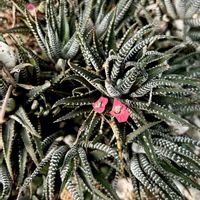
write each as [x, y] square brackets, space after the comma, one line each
[7, 77]
[118, 142]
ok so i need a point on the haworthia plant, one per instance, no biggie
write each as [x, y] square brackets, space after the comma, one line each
[101, 95]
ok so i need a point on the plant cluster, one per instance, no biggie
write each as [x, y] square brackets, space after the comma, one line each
[100, 97]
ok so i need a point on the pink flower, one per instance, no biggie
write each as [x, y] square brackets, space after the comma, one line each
[100, 105]
[31, 8]
[119, 111]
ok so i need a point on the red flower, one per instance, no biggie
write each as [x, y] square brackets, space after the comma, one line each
[119, 111]
[100, 105]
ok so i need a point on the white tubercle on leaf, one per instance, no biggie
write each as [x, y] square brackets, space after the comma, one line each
[7, 56]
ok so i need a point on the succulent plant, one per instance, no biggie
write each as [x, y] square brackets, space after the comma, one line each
[103, 76]
[179, 18]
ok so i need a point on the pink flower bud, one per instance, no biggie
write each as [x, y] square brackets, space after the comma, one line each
[31, 8]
